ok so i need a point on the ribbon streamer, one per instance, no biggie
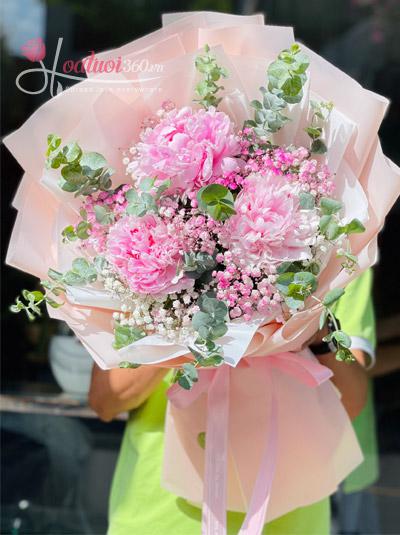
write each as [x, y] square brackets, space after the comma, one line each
[216, 384]
[255, 518]
[214, 508]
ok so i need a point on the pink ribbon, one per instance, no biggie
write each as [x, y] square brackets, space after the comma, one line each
[215, 473]
[216, 383]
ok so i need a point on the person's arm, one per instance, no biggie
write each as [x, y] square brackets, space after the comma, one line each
[356, 314]
[119, 390]
[388, 360]
[350, 379]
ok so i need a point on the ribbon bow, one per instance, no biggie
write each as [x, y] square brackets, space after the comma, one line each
[216, 383]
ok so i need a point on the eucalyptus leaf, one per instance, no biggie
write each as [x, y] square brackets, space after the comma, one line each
[318, 147]
[307, 201]
[333, 231]
[72, 152]
[53, 143]
[218, 330]
[256, 104]
[147, 184]
[332, 296]
[217, 201]
[294, 302]
[71, 278]
[68, 186]
[330, 206]
[355, 226]
[342, 339]
[125, 335]
[93, 161]
[213, 192]
[322, 319]
[289, 266]
[201, 440]
[313, 131]
[191, 371]
[54, 275]
[306, 279]
[213, 306]
[82, 230]
[128, 365]
[104, 215]
[324, 222]
[283, 282]
[185, 382]
[69, 233]
[345, 355]
[100, 263]
[201, 319]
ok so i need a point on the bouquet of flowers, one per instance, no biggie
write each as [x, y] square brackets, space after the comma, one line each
[235, 218]
[216, 224]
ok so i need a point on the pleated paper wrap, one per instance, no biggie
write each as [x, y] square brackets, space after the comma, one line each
[314, 444]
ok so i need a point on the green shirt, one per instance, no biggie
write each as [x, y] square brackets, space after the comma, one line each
[356, 313]
[140, 506]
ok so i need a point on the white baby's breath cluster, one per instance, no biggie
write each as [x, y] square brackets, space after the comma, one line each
[168, 315]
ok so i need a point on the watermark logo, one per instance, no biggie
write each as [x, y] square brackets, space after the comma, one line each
[35, 51]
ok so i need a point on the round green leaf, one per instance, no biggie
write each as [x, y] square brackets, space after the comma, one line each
[93, 160]
[214, 192]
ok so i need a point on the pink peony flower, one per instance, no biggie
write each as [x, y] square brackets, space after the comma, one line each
[269, 226]
[145, 255]
[187, 146]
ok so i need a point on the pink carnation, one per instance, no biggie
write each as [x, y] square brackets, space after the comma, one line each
[145, 255]
[269, 226]
[187, 146]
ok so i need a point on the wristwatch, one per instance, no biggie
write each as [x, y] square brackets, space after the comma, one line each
[326, 347]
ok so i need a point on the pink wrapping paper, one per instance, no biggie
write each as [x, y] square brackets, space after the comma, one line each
[316, 444]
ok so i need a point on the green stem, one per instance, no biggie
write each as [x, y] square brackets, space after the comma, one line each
[330, 313]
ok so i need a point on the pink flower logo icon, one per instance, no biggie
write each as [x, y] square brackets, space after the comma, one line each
[34, 49]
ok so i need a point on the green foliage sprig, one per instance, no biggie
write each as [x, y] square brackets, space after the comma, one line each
[339, 338]
[210, 324]
[321, 113]
[210, 321]
[124, 335]
[329, 222]
[287, 74]
[81, 231]
[195, 264]
[186, 376]
[82, 173]
[145, 201]
[82, 272]
[296, 285]
[31, 301]
[286, 78]
[217, 201]
[349, 261]
[126, 364]
[208, 88]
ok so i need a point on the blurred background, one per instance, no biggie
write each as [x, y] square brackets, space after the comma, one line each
[57, 459]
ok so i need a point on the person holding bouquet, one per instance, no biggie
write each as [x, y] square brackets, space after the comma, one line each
[216, 236]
